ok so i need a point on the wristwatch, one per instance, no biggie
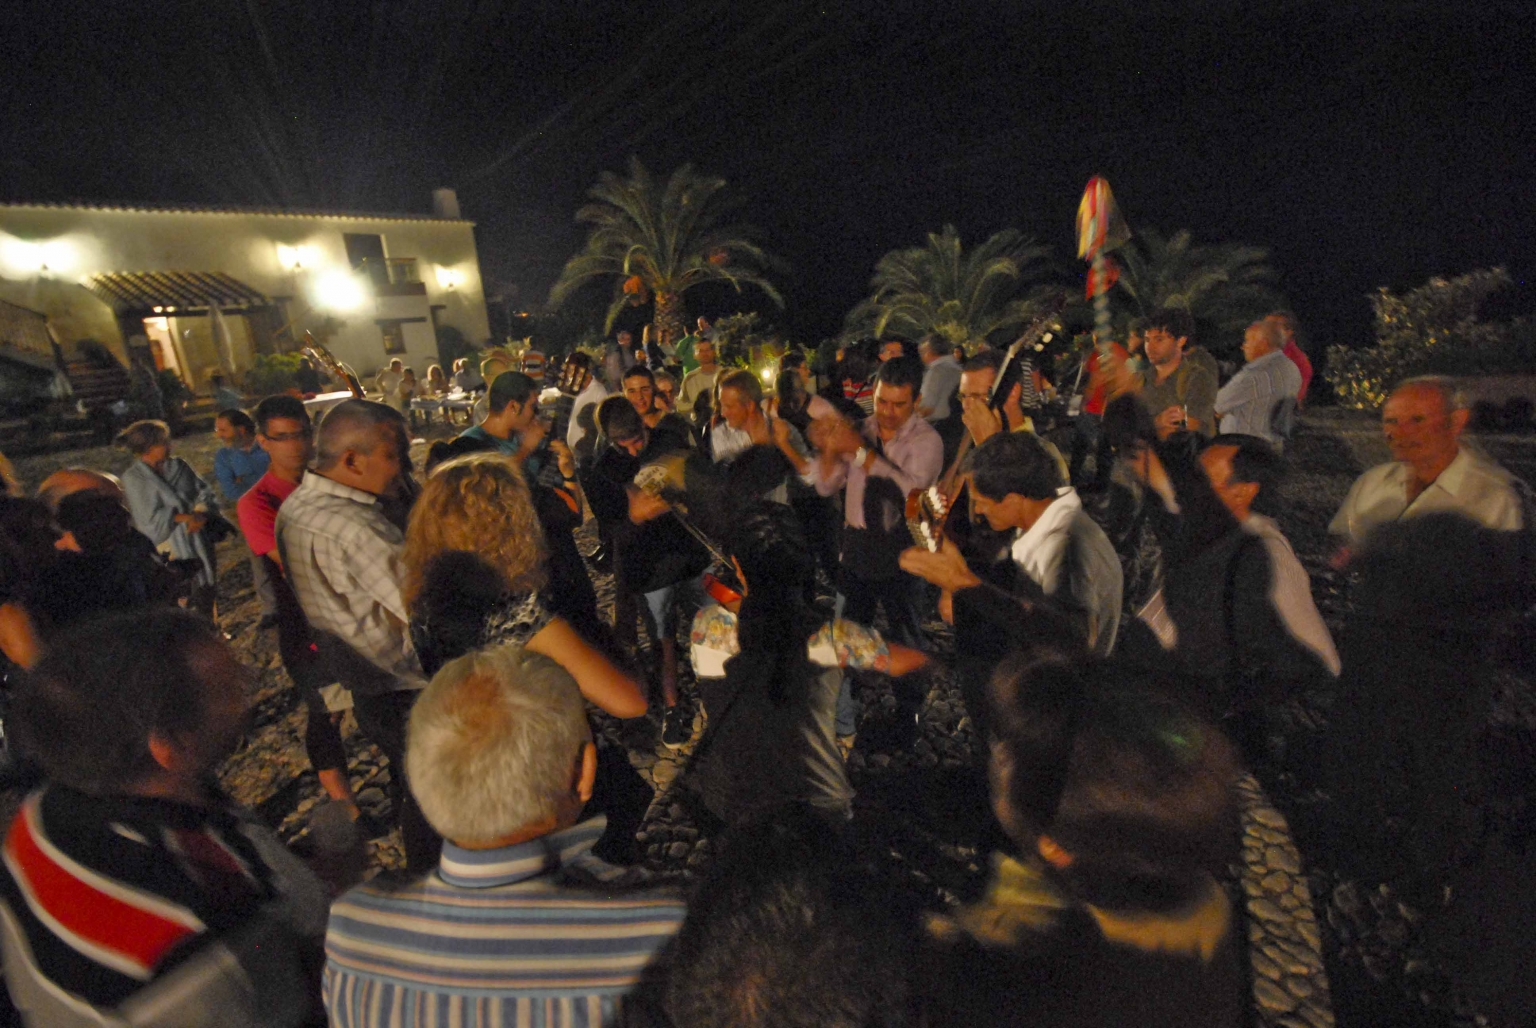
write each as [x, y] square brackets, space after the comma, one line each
[861, 455]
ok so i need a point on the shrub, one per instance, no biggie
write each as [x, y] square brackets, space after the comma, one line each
[741, 339]
[272, 373]
[172, 389]
[1433, 329]
[451, 345]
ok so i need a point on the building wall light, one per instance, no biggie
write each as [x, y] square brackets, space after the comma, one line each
[449, 278]
[340, 290]
[24, 258]
[296, 257]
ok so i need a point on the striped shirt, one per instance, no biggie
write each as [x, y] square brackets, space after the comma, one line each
[111, 892]
[540, 933]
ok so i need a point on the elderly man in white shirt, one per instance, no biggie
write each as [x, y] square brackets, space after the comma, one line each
[1431, 471]
[744, 424]
[342, 558]
[1247, 405]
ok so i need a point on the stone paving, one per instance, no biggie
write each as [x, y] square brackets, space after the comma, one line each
[921, 806]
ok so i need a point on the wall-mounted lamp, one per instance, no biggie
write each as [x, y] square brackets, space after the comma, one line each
[449, 278]
[340, 290]
[24, 258]
[296, 257]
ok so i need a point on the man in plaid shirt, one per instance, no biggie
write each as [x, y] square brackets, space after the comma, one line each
[342, 557]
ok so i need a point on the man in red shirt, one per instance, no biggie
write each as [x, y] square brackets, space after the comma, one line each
[1286, 322]
[283, 429]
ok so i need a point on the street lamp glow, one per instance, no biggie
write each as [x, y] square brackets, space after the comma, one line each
[340, 290]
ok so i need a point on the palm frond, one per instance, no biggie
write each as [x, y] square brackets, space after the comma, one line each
[665, 232]
[943, 287]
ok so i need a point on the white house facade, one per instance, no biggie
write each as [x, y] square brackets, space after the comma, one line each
[202, 290]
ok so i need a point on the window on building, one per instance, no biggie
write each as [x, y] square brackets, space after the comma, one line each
[365, 253]
[394, 337]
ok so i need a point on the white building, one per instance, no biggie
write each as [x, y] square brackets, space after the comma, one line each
[200, 290]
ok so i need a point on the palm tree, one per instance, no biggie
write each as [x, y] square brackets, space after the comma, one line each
[660, 239]
[1226, 285]
[943, 288]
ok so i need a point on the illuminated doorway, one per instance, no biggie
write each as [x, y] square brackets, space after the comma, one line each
[162, 344]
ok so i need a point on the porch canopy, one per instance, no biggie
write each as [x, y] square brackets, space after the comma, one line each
[172, 292]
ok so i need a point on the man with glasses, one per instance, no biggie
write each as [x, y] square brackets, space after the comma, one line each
[284, 432]
[982, 421]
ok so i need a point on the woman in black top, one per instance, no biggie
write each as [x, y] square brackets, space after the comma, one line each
[474, 576]
[770, 739]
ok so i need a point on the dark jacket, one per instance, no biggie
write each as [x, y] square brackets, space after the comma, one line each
[651, 556]
[1216, 586]
[1027, 954]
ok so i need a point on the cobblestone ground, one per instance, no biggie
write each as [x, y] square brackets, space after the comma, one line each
[921, 808]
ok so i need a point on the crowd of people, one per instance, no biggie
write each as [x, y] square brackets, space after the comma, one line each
[1130, 624]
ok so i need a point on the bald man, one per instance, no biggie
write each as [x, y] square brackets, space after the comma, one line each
[73, 480]
[1431, 471]
[68, 481]
[342, 558]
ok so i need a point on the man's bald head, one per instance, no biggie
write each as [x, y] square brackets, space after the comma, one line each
[68, 481]
[352, 425]
[1452, 397]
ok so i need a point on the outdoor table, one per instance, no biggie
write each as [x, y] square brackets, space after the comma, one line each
[449, 404]
[323, 402]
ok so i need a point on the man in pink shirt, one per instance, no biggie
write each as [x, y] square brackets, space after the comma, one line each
[1286, 322]
[283, 429]
[876, 464]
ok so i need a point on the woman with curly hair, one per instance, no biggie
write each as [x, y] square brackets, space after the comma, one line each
[474, 563]
[475, 575]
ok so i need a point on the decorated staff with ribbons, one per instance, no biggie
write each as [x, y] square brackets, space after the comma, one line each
[1100, 228]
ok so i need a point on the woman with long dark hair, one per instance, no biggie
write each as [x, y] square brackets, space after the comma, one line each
[770, 738]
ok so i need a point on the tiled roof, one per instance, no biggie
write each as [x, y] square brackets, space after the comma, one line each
[149, 290]
[194, 208]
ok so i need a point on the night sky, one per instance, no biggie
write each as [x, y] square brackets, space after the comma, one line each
[1364, 145]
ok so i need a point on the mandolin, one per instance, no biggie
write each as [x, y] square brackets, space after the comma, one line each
[320, 355]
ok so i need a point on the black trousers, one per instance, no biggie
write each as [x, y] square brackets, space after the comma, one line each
[382, 718]
[900, 596]
[310, 673]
